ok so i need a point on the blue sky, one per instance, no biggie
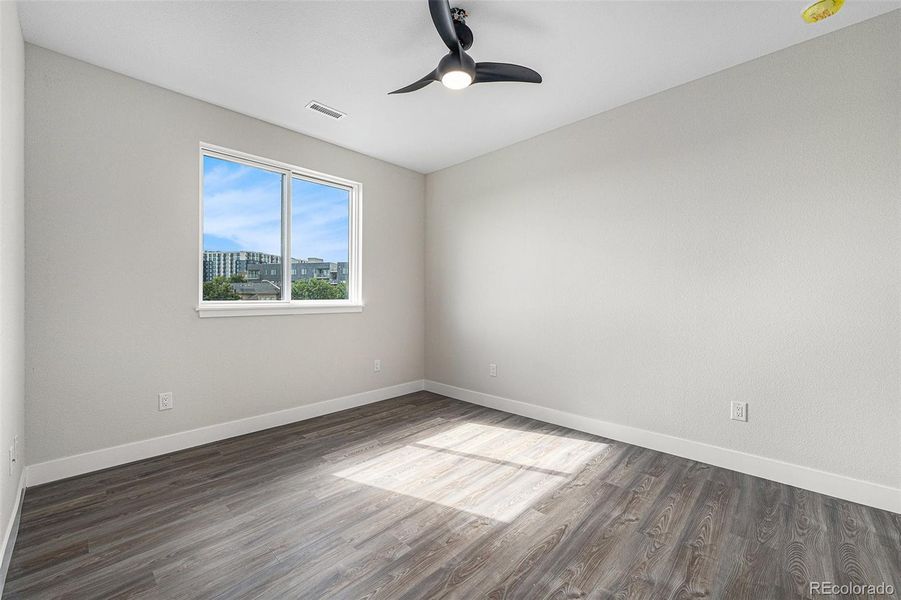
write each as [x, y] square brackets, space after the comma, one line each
[242, 211]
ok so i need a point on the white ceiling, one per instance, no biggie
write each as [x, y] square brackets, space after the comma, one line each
[269, 59]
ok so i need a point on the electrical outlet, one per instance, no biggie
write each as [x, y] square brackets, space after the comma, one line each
[166, 401]
[12, 459]
[739, 411]
[492, 370]
[377, 366]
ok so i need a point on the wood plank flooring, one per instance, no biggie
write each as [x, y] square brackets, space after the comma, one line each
[423, 496]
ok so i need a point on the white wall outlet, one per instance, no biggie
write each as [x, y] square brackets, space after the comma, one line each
[492, 370]
[12, 459]
[739, 411]
[166, 401]
[376, 366]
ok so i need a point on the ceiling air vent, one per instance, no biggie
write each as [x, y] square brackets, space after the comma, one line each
[326, 110]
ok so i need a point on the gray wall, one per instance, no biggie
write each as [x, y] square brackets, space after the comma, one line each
[113, 180]
[735, 238]
[12, 255]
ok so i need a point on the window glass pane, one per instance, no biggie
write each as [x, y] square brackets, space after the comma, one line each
[320, 221]
[242, 236]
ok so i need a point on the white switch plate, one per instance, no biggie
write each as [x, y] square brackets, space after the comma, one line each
[739, 411]
[492, 370]
[377, 366]
[166, 401]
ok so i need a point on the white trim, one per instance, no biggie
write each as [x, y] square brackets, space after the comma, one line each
[285, 295]
[274, 165]
[285, 305]
[12, 530]
[241, 309]
[105, 458]
[832, 484]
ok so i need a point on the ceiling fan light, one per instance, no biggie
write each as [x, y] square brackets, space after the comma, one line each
[822, 9]
[456, 80]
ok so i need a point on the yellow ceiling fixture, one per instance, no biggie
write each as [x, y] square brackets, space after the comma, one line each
[821, 10]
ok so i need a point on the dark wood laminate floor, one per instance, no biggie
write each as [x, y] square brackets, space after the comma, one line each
[427, 497]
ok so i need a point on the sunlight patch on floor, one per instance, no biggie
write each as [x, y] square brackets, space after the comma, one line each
[486, 470]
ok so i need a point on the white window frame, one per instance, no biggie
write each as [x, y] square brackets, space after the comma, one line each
[287, 306]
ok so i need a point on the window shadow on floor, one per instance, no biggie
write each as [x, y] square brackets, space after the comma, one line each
[488, 470]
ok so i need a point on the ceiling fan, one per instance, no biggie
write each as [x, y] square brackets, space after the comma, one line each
[457, 69]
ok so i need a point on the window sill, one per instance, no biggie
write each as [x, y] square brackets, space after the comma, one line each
[259, 309]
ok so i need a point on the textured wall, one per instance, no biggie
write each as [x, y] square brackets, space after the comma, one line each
[12, 254]
[112, 226]
[735, 238]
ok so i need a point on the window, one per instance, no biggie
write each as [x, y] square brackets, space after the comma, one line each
[264, 223]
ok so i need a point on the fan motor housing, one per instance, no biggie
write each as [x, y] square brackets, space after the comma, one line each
[452, 62]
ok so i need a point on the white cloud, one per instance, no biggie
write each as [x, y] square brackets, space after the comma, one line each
[243, 205]
[250, 217]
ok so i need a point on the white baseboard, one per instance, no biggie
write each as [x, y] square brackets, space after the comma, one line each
[104, 458]
[831, 484]
[840, 486]
[11, 531]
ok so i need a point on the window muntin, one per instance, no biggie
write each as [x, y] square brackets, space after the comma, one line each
[265, 222]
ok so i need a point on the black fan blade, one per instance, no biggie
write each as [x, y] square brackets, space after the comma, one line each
[444, 23]
[433, 76]
[487, 72]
